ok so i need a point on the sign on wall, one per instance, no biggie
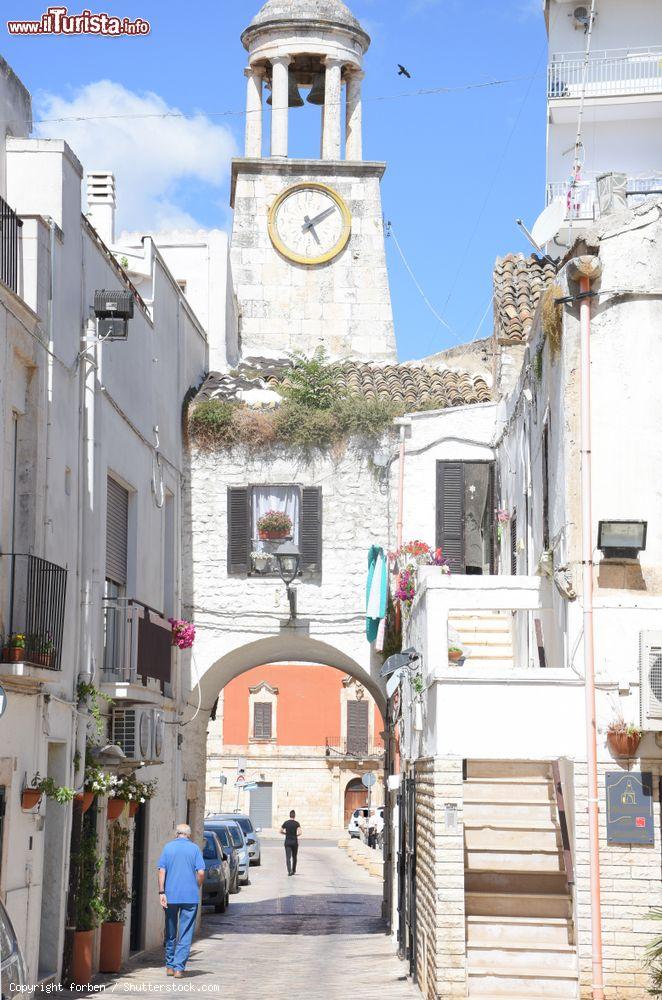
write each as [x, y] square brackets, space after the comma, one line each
[629, 807]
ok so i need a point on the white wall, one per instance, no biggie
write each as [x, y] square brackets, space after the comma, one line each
[618, 25]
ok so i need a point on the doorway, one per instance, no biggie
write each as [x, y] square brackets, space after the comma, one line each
[261, 807]
[138, 879]
[356, 797]
[52, 889]
[465, 516]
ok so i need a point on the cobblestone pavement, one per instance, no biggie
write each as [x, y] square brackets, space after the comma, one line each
[317, 935]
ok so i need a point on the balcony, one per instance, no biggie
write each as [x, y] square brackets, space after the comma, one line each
[35, 598]
[353, 748]
[137, 647]
[582, 203]
[10, 225]
[610, 73]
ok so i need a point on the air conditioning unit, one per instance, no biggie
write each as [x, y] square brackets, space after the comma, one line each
[581, 17]
[139, 732]
[650, 679]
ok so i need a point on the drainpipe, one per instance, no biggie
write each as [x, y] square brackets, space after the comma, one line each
[587, 269]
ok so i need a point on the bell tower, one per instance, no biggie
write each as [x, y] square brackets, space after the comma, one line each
[307, 249]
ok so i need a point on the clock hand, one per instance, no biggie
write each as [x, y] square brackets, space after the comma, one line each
[309, 227]
[310, 223]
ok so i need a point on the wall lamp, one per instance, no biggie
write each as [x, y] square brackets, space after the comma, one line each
[622, 539]
[288, 558]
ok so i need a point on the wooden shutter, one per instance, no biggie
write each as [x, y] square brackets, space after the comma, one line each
[310, 533]
[357, 727]
[262, 720]
[450, 513]
[513, 544]
[239, 529]
[545, 487]
[117, 530]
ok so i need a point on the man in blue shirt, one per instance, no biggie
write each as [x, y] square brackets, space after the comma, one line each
[181, 873]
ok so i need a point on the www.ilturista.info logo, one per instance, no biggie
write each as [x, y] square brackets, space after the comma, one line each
[58, 21]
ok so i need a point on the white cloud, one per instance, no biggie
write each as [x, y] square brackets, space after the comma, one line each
[151, 156]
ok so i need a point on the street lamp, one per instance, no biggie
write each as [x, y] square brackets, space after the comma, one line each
[288, 558]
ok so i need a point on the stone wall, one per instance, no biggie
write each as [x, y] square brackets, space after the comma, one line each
[630, 887]
[440, 930]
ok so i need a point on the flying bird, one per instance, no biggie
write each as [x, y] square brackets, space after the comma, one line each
[403, 72]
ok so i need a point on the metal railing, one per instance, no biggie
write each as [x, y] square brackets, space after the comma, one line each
[37, 591]
[9, 227]
[582, 198]
[611, 73]
[355, 746]
[137, 644]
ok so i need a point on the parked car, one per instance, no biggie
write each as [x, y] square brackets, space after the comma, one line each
[231, 856]
[216, 886]
[13, 975]
[353, 828]
[238, 842]
[250, 834]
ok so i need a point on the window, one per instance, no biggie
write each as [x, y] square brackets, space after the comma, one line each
[545, 487]
[262, 720]
[465, 515]
[247, 552]
[117, 531]
[357, 727]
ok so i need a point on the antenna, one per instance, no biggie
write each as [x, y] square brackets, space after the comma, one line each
[534, 244]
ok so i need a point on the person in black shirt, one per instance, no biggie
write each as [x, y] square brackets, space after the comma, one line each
[292, 831]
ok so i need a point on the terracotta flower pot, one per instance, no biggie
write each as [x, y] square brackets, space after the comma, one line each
[13, 654]
[133, 808]
[87, 798]
[623, 744]
[30, 797]
[81, 965]
[110, 951]
[272, 536]
[454, 655]
[115, 809]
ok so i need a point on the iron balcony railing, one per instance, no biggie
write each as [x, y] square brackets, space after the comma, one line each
[354, 746]
[35, 601]
[137, 644]
[10, 225]
[610, 73]
[581, 198]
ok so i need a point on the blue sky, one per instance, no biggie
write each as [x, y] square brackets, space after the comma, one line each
[462, 166]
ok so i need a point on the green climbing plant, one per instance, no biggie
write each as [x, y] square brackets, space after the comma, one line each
[91, 695]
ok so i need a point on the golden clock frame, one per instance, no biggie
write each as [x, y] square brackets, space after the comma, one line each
[299, 258]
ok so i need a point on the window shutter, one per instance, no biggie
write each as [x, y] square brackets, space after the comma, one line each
[239, 533]
[450, 513]
[513, 544]
[117, 529]
[357, 727]
[545, 487]
[262, 720]
[310, 534]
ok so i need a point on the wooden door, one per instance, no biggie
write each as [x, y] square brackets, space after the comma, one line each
[356, 797]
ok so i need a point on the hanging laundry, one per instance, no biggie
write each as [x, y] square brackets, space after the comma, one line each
[376, 591]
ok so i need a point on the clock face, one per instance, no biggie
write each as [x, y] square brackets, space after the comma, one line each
[309, 223]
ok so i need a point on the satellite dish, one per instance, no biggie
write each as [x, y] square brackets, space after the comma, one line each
[549, 222]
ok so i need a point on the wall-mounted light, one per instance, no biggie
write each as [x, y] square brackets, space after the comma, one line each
[288, 558]
[622, 539]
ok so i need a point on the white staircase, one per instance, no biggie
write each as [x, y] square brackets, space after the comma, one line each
[488, 636]
[520, 938]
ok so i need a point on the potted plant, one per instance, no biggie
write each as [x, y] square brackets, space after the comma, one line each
[135, 792]
[44, 648]
[623, 738]
[261, 561]
[116, 899]
[183, 633]
[274, 524]
[14, 650]
[30, 798]
[97, 782]
[48, 787]
[455, 653]
[90, 906]
[502, 518]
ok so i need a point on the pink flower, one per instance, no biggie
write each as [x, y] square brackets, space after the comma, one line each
[183, 633]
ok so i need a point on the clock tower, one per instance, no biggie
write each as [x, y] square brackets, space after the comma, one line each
[307, 250]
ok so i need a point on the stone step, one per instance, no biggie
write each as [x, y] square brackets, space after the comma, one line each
[498, 812]
[508, 768]
[524, 859]
[502, 930]
[511, 904]
[532, 981]
[511, 837]
[516, 882]
[512, 956]
[507, 790]
[488, 626]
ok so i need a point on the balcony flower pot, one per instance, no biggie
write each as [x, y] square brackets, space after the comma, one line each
[13, 654]
[273, 525]
[30, 798]
[272, 536]
[455, 655]
[133, 808]
[110, 951]
[87, 798]
[81, 965]
[623, 744]
[115, 809]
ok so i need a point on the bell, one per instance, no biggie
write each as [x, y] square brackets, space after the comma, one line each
[316, 95]
[294, 98]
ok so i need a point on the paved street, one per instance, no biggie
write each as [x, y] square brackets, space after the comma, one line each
[317, 935]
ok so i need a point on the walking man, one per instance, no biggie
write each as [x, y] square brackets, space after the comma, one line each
[181, 873]
[292, 831]
[372, 828]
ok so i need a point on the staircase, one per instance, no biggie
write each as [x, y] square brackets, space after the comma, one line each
[487, 635]
[520, 939]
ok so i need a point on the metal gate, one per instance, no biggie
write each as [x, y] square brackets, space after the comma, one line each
[261, 807]
[407, 873]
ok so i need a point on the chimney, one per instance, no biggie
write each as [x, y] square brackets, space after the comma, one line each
[101, 204]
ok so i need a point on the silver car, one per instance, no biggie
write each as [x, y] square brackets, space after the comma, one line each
[13, 976]
[249, 831]
[238, 842]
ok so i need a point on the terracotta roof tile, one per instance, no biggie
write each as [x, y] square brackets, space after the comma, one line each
[519, 282]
